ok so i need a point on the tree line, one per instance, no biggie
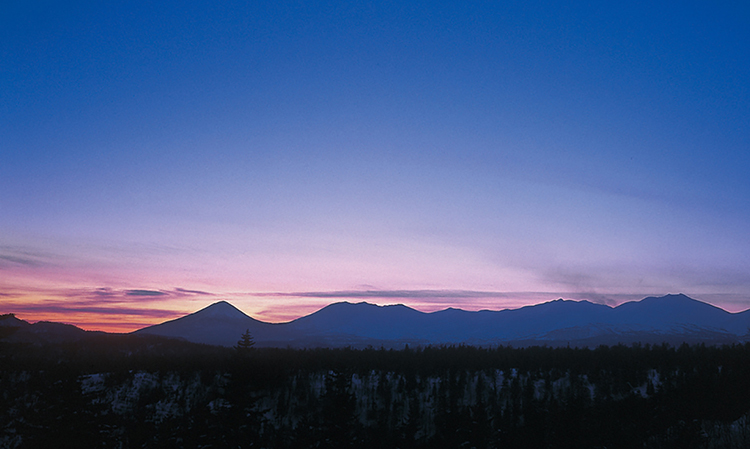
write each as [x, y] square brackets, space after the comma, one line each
[128, 391]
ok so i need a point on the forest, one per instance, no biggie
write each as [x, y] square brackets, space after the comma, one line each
[126, 391]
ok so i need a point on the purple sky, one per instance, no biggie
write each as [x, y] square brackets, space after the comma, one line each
[155, 158]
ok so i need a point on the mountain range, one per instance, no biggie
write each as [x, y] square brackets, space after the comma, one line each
[13, 329]
[672, 319]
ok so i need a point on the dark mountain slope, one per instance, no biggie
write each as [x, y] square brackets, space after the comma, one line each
[218, 324]
[669, 318]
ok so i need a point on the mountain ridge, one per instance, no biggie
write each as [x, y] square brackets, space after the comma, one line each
[557, 322]
[671, 318]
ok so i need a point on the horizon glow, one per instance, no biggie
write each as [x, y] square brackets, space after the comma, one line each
[260, 153]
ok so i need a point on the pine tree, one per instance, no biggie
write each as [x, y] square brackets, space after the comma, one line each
[246, 343]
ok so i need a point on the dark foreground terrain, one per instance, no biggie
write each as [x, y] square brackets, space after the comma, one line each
[134, 391]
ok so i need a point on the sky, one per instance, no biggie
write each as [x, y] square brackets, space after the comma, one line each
[156, 157]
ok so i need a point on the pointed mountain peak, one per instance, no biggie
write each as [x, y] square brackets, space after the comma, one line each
[672, 296]
[11, 320]
[672, 305]
[362, 305]
[344, 305]
[679, 298]
[559, 303]
[220, 309]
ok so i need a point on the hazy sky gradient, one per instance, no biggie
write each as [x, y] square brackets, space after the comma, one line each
[259, 151]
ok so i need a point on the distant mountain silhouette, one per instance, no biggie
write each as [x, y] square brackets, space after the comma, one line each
[672, 318]
[13, 329]
[218, 324]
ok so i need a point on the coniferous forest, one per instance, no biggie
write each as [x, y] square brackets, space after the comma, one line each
[126, 392]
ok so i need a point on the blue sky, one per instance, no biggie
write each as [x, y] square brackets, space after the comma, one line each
[522, 151]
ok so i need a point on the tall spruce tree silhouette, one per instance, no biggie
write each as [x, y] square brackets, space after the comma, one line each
[246, 343]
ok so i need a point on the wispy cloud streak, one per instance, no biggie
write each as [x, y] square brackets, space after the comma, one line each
[449, 294]
[18, 260]
[194, 292]
[80, 297]
[14, 256]
[78, 308]
[144, 293]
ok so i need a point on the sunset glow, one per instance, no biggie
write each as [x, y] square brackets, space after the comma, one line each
[157, 158]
